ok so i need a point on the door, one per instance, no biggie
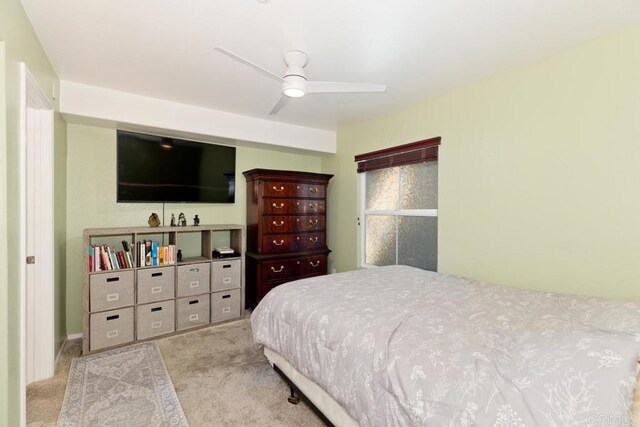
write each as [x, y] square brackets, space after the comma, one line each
[36, 226]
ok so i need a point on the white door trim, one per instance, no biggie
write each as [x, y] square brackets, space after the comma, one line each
[37, 337]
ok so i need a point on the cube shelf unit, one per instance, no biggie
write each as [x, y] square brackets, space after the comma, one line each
[134, 304]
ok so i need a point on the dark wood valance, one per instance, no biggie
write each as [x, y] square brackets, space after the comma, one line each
[414, 152]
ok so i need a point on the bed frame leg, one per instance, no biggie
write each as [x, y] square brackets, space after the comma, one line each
[293, 399]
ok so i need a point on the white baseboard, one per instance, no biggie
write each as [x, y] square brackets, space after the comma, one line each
[74, 336]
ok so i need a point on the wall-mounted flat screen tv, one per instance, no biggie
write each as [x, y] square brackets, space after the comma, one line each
[160, 169]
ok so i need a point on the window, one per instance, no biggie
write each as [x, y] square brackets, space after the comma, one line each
[399, 205]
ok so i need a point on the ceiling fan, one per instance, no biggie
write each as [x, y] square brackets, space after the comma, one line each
[295, 83]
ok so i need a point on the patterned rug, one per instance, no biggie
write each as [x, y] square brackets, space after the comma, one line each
[128, 386]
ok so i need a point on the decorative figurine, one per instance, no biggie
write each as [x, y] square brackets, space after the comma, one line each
[196, 220]
[154, 220]
[179, 255]
[173, 220]
[182, 220]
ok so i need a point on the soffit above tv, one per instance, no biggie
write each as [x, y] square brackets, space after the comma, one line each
[95, 106]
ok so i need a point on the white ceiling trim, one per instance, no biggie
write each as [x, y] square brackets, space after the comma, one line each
[80, 102]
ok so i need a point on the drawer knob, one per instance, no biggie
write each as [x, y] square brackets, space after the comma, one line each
[313, 205]
[314, 265]
[280, 206]
[313, 189]
[278, 189]
[313, 221]
[279, 270]
[113, 279]
[313, 239]
[114, 317]
[195, 270]
[156, 274]
[278, 244]
[280, 224]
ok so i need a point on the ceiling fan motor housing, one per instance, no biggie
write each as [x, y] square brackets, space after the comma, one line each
[295, 80]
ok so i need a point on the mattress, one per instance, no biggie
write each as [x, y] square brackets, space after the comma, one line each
[401, 346]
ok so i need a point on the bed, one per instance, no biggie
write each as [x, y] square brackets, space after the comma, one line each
[399, 346]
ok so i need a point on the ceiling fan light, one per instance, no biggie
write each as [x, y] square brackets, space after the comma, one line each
[294, 92]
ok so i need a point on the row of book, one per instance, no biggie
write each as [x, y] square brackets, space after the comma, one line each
[104, 258]
[154, 254]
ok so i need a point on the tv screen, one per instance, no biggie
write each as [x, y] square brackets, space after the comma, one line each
[160, 169]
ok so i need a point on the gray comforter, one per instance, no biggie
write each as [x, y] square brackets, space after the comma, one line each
[399, 346]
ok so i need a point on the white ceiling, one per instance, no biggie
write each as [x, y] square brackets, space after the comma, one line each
[419, 48]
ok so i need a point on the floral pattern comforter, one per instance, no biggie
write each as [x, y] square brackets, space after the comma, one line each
[399, 346]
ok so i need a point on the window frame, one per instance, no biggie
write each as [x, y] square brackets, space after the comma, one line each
[415, 152]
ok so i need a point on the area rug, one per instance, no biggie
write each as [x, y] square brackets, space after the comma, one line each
[128, 386]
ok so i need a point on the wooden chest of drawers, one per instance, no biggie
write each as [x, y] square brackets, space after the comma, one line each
[286, 223]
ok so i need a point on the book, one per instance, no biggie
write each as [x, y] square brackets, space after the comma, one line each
[90, 258]
[154, 254]
[121, 260]
[147, 253]
[106, 265]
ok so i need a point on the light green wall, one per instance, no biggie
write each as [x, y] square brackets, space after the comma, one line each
[539, 172]
[91, 200]
[22, 45]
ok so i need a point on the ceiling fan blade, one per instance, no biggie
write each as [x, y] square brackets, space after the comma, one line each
[281, 103]
[249, 63]
[337, 87]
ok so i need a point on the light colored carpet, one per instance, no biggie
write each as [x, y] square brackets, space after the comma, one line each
[127, 386]
[219, 377]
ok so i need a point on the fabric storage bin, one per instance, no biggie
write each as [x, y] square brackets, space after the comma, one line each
[155, 319]
[225, 274]
[192, 311]
[155, 284]
[110, 290]
[111, 328]
[193, 279]
[225, 305]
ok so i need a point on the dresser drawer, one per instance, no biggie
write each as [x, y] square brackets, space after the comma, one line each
[155, 319]
[309, 241]
[312, 266]
[111, 290]
[289, 189]
[285, 243]
[292, 224]
[278, 270]
[292, 206]
[193, 279]
[225, 305]
[155, 284]
[192, 311]
[263, 288]
[226, 274]
[110, 328]
[281, 243]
